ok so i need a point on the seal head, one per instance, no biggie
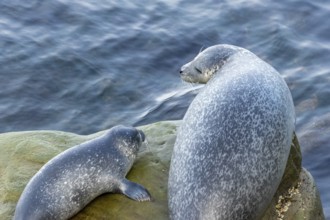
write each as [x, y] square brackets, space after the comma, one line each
[207, 63]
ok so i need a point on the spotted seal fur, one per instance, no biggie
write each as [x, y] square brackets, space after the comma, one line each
[72, 179]
[234, 141]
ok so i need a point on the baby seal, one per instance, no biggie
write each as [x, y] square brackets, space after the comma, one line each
[72, 179]
[234, 141]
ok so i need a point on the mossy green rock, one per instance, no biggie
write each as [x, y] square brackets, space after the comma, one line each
[22, 154]
[297, 196]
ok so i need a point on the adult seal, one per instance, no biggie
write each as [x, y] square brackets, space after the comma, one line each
[234, 141]
[69, 181]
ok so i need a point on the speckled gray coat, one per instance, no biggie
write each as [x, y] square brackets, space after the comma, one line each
[232, 147]
[69, 181]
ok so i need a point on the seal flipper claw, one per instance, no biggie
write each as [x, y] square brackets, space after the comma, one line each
[134, 191]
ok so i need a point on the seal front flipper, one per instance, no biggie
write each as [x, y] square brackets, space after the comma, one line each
[134, 191]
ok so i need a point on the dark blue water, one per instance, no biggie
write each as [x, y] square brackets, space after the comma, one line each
[84, 66]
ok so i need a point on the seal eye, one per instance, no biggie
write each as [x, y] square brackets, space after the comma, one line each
[198, 70]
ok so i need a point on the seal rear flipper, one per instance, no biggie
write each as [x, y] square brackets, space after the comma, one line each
[134, 191]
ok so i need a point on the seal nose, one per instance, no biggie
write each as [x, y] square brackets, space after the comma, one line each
[183, 68]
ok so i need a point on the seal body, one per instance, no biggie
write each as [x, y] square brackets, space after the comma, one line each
[72, 179]
[234, 141]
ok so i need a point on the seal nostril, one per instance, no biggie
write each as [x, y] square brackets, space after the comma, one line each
[181, 71]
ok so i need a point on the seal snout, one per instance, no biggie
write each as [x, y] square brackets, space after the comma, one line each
[183, 70]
